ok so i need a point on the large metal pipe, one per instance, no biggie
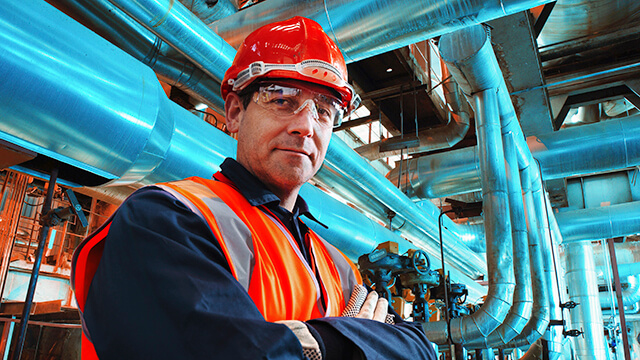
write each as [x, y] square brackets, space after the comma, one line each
[587, 316]
[145, 46]
[363, 29]
[540, 287]
[498, 234]
[520, 311]
[184, 31]
[127, 129]
[586, 149]
[624, 270]
[600, 223]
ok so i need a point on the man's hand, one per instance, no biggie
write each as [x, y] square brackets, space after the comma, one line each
[374, 308]
[367, 306]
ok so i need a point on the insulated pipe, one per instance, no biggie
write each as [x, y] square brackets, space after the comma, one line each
[624, 270]
[498, 229]
[497, 226]
[125, 125]
[586, 149]
[145, 46]
[363, 29]
[588, 315]
[540, 314]
[184, 31]
[520, 312]
[605, 222]
[630, 295]
[553, 335]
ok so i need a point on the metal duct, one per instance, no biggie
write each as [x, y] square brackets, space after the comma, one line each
[140, 43]
[580, 267]
[593, 148]
[363, 29]
[498, 233]
[442, 137]
[630, 295]
[520, 311]
[180, 28]
[600, 223]
[71, 95]
[440, 175]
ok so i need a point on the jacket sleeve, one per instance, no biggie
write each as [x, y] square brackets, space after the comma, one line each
[164, 290]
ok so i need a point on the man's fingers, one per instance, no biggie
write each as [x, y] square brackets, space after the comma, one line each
[380, 313]
[369, 306]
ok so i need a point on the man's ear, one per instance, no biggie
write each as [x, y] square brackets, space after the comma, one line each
[234, 111]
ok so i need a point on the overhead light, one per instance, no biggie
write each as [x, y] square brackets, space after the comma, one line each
[201, 107]
[389, 70]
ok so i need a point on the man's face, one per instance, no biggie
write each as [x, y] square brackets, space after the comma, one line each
[284, 152]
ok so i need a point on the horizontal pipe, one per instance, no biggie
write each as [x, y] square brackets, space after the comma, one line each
[600, 223]
[630, 295]
[586, 149]
[184, 31]
[363, 29]
[146, 47]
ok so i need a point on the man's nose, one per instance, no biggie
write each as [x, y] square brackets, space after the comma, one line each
[304, 119]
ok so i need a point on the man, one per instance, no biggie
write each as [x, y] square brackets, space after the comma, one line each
[224, 268]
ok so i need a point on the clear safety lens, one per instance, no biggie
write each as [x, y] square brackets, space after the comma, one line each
[288, 101]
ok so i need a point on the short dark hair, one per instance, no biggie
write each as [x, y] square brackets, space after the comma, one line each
[246, 94]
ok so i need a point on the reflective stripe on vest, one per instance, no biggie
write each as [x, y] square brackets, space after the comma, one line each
[264, 257]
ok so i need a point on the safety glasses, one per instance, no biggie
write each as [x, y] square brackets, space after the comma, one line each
[286, 101]
[316, 69]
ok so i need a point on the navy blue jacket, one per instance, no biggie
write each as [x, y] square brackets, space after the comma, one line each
[163, 290]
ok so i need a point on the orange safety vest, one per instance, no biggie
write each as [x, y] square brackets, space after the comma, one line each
[262, 255]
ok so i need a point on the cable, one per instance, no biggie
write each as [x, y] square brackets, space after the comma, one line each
[444, 277]
[553, 253]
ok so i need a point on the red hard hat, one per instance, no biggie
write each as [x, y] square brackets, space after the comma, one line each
[298, 49]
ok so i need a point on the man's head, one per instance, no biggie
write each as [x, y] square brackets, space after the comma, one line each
[285, 91]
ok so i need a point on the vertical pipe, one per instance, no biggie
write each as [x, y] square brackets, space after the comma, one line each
[616, 278]
[26, 311]
[587, 316]
[540, 313]
[520, 312]
[497, 226]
